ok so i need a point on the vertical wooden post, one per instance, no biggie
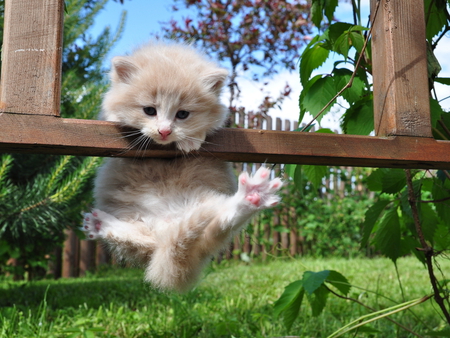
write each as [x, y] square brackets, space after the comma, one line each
[401, 95]
[87, 257]
[31, 57]
[70, 255]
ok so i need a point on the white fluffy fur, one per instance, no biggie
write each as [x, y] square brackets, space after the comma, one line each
[171, 215]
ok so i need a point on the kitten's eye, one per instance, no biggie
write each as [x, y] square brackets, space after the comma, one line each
[150, 111]
[182, 114]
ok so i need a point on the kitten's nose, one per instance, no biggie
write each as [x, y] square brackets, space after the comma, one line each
[164, 133]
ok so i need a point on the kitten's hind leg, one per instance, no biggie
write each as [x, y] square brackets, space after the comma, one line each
[125, 238]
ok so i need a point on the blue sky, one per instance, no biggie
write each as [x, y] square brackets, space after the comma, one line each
[144, 17]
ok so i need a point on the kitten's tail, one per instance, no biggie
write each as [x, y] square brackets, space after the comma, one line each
[178, 260]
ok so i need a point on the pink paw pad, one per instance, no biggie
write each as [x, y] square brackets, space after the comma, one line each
[254, 198]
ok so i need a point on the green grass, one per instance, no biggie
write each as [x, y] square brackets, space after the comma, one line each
[233, 300]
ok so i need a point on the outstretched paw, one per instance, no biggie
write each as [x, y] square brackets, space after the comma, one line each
[259, 190]
[93, 224]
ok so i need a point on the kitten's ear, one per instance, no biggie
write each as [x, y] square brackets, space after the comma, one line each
[215, 79]
[122, 69]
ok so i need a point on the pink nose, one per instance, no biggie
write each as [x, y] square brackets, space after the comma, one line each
[164, 133]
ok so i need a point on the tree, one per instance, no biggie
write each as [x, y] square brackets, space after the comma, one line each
[252, 37]
[41, 195]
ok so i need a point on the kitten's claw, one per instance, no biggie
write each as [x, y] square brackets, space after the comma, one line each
[259, 190]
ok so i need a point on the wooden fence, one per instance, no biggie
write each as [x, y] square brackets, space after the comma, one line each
[30, 101]
[79, 256]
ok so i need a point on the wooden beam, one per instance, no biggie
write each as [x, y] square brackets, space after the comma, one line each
[31, 56]
[400, 82]
[53, 135]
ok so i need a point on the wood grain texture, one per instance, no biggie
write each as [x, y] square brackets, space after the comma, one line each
[53, 135]
[400, 84]
[31, 56]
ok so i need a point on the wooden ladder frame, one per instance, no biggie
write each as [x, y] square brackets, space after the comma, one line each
[30, 101]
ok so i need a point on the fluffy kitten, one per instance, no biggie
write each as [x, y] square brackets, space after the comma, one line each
[171, 215]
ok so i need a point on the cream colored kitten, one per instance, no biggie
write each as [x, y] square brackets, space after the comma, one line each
[171, 215]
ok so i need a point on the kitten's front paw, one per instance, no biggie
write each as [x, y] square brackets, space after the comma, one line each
[259, 190]
[93, 224]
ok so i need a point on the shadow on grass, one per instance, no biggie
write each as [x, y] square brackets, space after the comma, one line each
[91, 292]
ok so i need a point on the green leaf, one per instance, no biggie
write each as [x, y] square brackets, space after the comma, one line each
[388, 235]
[358, 119]
[325, 131]
[289, 303]
[319, 95]
[374, 181]
[443, 80]
[315, 174]
[319, 8]
[303, 93]
[393, 181]
[436, 112]
[330, 8]
[371, 216]
[336, 30]
[339, 282]
[316, 12]
[311, 59]
[295, 172]
[441, 192]
[428, 220]
[437, 20]
[342, 45]
[313, 280]
[318, 300]
[352, 94]
[357, 39]
[441, 238]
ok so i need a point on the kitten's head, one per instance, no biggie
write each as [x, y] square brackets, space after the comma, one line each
[170, 92]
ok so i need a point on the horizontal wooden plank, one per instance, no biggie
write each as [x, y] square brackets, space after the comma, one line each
[52, 135]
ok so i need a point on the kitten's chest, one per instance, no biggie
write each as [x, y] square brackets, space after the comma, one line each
[155, 184]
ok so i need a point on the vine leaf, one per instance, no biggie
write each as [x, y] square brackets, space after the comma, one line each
[312, 58]
[319, 94]
[290, 302]
[371, 217]
[339, 282]
[388, 235]
[313, 280]
[315, 174]
[318, 300]
[352, 94]
[358, 119]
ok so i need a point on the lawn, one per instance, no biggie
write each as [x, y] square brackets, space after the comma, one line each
[233, 300]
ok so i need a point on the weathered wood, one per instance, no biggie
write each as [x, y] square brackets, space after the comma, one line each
[53, 135]
[400, 86]
[70, 255]
[31, 56]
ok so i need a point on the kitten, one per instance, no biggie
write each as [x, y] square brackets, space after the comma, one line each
[171, 215]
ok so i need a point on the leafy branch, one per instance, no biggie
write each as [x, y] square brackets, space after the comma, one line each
[428, 250]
